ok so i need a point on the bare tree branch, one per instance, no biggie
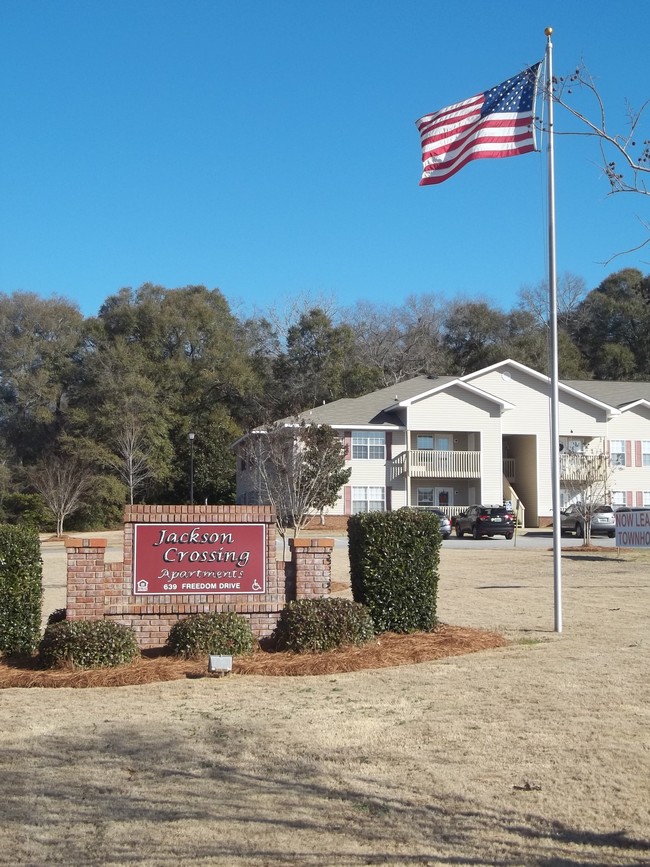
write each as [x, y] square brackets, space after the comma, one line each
[61, 482]
[634, 152]
[133, 458]
[587, 478]
[298, 468]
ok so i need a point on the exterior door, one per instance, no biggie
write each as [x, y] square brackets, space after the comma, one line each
[443, 496]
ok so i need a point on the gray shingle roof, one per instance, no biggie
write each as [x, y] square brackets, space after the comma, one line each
[613, 393]
[370, 408]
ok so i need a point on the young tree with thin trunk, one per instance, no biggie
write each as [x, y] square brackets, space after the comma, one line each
[62, 483]
[133, 456]
[299, 469]
[587, 478]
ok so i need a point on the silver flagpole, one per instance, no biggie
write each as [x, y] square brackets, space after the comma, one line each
[553, 349]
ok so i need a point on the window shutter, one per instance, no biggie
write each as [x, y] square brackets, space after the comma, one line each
[389, 444]
[628, 453]
[628, 496]
[638, 459]
[639, 498]
[347, 443]
[389, 499]
[347, 500]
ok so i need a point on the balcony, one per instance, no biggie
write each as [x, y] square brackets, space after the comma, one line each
[432, 464]
[583, 467]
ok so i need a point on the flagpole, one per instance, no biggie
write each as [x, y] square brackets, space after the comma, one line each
[553, 348]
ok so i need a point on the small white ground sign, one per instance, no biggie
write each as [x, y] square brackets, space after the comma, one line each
[633, 528]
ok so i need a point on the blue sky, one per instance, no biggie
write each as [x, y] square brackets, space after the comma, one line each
[269, 149]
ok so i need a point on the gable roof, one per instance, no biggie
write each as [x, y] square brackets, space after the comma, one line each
[373, 409]
[461, 384]
[574, 387]
[379, 408]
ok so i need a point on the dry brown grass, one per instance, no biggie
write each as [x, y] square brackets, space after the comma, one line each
[387, 651]
[536, 753]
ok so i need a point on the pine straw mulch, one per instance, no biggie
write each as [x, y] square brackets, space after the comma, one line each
[386, 651]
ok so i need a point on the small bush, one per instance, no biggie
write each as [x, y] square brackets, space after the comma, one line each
[323, 624]
[21, 589]
[57, 616]
[223, 634]
[87, 644]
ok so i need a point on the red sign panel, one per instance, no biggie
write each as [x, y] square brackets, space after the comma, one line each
[199, 558]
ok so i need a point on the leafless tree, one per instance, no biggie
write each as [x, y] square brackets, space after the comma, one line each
[61, 482]
[587, 478]
[401, 342]
[133, 456]
[297, 468]
[570, 292]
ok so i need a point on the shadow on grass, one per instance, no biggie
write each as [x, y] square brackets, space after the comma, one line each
[188, 788]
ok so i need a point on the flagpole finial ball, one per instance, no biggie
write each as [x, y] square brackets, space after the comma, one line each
[548, 31]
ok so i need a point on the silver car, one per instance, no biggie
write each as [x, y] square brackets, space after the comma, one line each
[602, 522]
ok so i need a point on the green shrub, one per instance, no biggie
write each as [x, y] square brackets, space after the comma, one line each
[21, 589]
[323, 624]
[87, 644]
[223, 634]
[394, 559]
[27, 510]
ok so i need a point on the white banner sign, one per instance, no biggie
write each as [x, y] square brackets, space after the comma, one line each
[633, 528]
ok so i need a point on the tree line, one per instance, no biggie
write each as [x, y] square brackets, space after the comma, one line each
[96, 412]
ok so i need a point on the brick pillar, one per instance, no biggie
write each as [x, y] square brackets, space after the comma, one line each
[313, 566]
[85, 596]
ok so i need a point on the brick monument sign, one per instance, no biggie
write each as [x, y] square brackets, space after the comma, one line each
[181, 560]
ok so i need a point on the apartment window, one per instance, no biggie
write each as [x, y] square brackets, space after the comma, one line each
[367, 445]
[645, 453]
[425, 497]
[367, 499]
[424, 441]
[617, 453]
[646, 499]
[619, 498]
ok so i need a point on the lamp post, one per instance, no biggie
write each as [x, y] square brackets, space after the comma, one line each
[191, 438]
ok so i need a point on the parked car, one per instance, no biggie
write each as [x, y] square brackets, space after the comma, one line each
[602, 521]
[485, 521]
[443, 520]
[445, 523]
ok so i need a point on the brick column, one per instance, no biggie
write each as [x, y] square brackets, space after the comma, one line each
[85, 596]
[313, 566]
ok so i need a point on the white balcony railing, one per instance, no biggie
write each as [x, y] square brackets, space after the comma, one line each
[432, 464]
[581, 467]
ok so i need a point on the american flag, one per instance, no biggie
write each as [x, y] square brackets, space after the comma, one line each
[496, 123]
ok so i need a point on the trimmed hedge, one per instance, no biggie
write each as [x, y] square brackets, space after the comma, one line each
[21, 589]
[323, 624]
[223, 634]
[87, 644]
[394, 559]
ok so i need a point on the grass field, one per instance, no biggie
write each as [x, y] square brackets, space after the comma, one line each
[535, 753]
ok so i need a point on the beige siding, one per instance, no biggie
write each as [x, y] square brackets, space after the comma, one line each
[453, 410]
[460, 411]
[632, 426]
[531, 416]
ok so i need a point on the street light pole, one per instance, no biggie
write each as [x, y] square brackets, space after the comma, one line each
[191, 438]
